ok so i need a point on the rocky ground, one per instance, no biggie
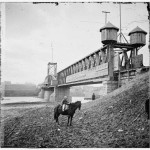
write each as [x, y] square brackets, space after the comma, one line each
[116, 120]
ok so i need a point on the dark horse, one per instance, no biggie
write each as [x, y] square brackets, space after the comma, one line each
[69, 112]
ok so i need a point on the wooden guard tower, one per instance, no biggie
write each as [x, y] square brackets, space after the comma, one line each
[123, 58]
[109, 38]
[109, 34]
[137, 37]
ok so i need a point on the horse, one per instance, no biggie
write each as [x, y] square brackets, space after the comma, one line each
[69, 112]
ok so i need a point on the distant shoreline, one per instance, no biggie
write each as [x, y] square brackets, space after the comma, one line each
[23, 103]
[18, 101]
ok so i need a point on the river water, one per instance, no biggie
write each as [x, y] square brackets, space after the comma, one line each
[35, 99]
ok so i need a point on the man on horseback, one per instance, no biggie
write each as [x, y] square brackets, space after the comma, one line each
[65, 103]
[72, 107]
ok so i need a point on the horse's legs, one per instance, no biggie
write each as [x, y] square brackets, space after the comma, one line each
[71, 120]
[57, 119]
[68, 120]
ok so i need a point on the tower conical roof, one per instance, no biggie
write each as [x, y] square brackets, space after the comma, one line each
[137, 29]
[109, 26]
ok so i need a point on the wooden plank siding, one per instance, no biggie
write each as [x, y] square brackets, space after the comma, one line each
[98, 71]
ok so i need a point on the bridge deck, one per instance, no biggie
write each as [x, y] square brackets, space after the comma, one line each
[90, 81]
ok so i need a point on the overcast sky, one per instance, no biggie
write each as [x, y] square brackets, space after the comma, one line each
[72, 28]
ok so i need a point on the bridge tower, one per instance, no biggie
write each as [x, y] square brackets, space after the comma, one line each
[137, 37]
[109, 38]
[130, 64]
[137, 40]
[122, 70]
[109, 34]
[50, 82]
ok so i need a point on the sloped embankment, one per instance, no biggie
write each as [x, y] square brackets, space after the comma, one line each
[116, 120]
[122, 114]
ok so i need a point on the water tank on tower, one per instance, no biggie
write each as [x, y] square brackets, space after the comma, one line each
[109, 33]
[137, 37]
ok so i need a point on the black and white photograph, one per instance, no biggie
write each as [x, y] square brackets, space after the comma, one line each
[75, 74]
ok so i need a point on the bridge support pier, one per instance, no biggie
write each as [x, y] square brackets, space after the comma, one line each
[41, 94]
[110, 86]
[60, 92]
[47, 95]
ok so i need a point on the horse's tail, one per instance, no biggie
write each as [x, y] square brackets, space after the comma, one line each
[56, 112]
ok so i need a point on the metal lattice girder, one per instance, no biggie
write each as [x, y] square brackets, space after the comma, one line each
[52, 69]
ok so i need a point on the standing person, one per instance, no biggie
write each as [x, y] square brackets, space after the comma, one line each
[147, 108]
[93, 96]
[65, 103]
